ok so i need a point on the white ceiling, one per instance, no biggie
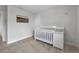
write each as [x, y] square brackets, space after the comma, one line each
[35, 8]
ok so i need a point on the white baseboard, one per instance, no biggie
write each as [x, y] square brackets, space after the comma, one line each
[19, 39]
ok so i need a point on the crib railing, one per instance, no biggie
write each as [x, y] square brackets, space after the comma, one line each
[52, 35]
[44, 35]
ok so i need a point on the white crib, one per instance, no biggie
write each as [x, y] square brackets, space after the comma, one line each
[46, 34]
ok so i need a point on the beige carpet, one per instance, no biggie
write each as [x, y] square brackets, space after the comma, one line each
[34, 46]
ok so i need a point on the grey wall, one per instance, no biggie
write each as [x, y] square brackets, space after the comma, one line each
[18, 31]
[64, 16]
